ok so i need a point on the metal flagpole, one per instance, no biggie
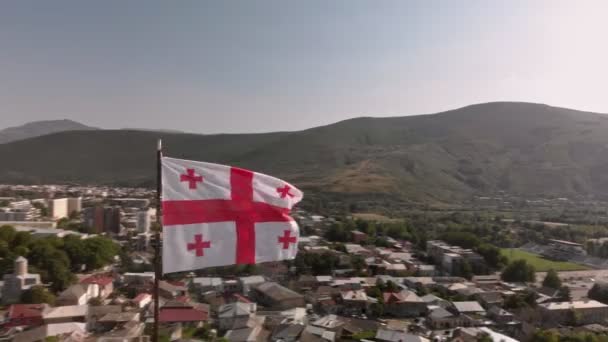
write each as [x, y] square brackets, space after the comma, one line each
[157, 246]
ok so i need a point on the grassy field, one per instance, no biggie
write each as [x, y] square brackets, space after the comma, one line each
[375, 217]
[541, 264]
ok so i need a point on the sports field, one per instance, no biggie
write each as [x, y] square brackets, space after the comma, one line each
[541, 264]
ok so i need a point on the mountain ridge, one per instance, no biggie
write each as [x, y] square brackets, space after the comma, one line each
[39, 128]
[522, 148]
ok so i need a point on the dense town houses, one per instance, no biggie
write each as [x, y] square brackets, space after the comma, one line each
[353, 289]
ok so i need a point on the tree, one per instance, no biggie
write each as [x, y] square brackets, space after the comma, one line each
[7, 233]
[552, 280]
[545, 336]
[491, 255]
[391, 287]
[519, 271]
[37, 295]
[599, 292]
[563, 294]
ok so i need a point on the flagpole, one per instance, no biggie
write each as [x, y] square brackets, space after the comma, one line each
[157, 245]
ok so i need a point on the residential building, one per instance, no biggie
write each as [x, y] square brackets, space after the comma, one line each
[58, 208]
[574, 313]
[17, 282]
[77, 294]
[404, 304]
[26, 315]
[104, 282]
[235, 315]
[64, 314]
[273, 295]
[74, 205]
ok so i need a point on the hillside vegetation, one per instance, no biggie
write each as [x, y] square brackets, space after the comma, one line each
[521, 148]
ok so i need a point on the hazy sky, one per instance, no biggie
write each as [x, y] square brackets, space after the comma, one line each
[253, 66]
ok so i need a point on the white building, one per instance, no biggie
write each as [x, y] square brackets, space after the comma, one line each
[19, 281]
[58, 208]
[144, 220]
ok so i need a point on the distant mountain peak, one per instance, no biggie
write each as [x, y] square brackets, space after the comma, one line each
[38, 128]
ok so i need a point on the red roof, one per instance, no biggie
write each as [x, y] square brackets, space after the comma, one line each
[240, 298]
[392, 297]
[174, 315]
[141, 297]
[176, 282]
[25, 310]
[98, 279]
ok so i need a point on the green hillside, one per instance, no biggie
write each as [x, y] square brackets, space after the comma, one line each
[521, 148]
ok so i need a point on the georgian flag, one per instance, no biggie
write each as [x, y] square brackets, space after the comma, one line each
[217, 215]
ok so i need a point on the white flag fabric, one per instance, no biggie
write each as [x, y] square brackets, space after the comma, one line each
[217, 215]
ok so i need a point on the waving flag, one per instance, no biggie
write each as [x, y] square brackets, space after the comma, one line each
[217, 215]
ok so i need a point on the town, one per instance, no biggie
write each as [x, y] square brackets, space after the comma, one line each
[78, 265]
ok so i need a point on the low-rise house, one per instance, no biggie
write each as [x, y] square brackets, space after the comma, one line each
[574, 313]
[78, 294]
[254, 331]
[404, 304]
[204, 284]
[247, 283]
[171, 291]
[116, 319]
[500, 315]
[273, 295]
[431, 299]
[64, 314]
[191, 315]
[440, 318]
[287, 333]
[469, 307]
[27, 315]
[326, 328]
[42, 333]
[235, 315]
[355, 302]
[398, 336]
[96, 312]
[105, 283]
[142, 300]
[142, 278]
[490, 298]
[356, 249]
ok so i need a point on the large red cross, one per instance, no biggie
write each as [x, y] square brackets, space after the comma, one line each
[199, 245]
[191, 178]
[240, 208]
[287, 239]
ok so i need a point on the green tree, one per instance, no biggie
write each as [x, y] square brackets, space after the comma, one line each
[599, 292]
[545, 336]
[552, 280]
[391, 287]
[491, 255]
[358, 263]
[7, 233]
[518, 271]
[37, 295]
[563, 294]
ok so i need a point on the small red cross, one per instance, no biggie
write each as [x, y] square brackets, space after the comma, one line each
[199, 245]
[191, 178]
[284, 191]
[287, 239]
